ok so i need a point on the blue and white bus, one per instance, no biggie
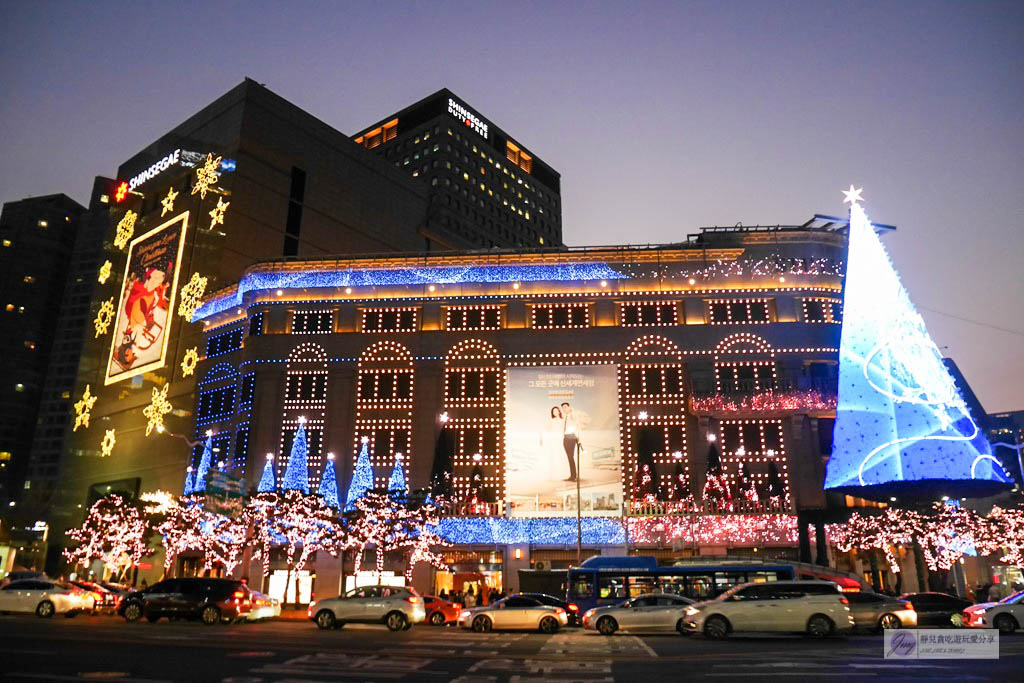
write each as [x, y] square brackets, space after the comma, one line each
[605, 580]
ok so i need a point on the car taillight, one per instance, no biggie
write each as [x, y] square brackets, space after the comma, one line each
[573, 607]
[559, 610]
[239, 594]
[909, 606]
[844, 601]
[413, 600]
[309, 610]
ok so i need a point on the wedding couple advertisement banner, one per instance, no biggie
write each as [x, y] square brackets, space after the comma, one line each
[562, 425]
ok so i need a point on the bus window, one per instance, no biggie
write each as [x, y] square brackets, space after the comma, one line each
[638, 585]
[762, 577]
[611, 587]
[726, 580]
[675, 585]
[582, 585]
[699, 587]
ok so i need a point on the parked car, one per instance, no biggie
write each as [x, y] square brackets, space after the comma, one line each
[572, 611]
[104, 600]
[210, 600]
[263, 606]
[1007, 615]
[514, 612]
[873, 611]
[44, 597]
[649, 612]
[396, 607]
[440, 612]
[816, 608]
[936, 609]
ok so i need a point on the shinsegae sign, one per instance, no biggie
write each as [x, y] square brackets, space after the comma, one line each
[471, 120]
[156, 169]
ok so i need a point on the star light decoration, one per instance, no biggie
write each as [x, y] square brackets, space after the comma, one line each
[191, 296]
[852, 196]
[217, 215]
[107, 445]
[125, 229]
[104, 316]
[155, 411]
[82, 409]
[206, 176]
[105, 272]
[168, 201]
[189, 362]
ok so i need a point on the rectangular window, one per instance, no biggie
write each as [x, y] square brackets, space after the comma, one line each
[518, 157]
[390, 320]
[305, 388]
[823, 310]
[215, 405]
[388, 386]
[245, 399]
[256, 325]
[560, 316]
[654, 381]
[472, 386]
[378, 136]
[224, 343]
[312, 322]
[241, 450]
[649, 313]
[745, 376]
[473, 318]
[734, 311]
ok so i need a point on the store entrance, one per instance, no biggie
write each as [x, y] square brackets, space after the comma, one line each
[474, 579]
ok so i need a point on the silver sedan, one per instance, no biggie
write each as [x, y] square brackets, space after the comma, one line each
[514, 612]
[650, 612]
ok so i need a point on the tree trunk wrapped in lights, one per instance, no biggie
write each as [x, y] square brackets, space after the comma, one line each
[114, 532]
[224, 542]
[181, 530]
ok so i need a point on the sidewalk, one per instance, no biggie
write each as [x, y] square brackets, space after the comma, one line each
[293, 614]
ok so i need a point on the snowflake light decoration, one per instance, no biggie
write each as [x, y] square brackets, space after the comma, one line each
[217, 215]
[82, 409]
[156, 410]
[168, 202]
[107, 445]
[188, 363]
[104, 316]
[125, 229]
[105, 272]
[206, 176]
[191, 296]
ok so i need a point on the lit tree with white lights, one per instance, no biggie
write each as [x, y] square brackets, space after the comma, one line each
[114, 532]
[180, 530]
[224, 541]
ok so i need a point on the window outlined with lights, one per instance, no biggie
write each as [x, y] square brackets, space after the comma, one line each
[306, 393]
[652, 410]
[390, 319]
[755, 443]
[472, 318]
[560, 316]
[474, 401]
[648, 313]
[217, 392]
[384, 402]
[744, 363]
[739, 311]
[822, 310]
[318, 321]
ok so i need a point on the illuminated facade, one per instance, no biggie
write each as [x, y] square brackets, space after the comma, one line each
[638, 355]
[486, 189]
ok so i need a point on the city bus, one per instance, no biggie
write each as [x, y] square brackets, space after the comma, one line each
[604, 580]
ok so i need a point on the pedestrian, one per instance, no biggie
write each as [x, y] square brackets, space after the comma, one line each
[145, 584]
[470, 598]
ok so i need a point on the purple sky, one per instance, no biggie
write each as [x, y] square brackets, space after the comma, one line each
[661, 117]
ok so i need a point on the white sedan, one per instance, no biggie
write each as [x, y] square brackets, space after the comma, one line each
[44, 597]
[263, 607]
[650, 612]
[514, 612]
[1007, 615]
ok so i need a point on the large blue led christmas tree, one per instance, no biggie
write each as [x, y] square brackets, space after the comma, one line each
[190, 481]
[901, 424]
[329, 483]
[296, 473]
[199, 483]
[397, 485]
[268, 481]
[362, 478]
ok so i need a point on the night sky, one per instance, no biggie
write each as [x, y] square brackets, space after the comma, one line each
[661, 117]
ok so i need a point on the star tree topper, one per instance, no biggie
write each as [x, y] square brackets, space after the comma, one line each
[191, 294]
[217, 215]
[156, 410]
[168, 201]
[107, 445]
[104, 316]
[207, 176]
[105, 272]
[125, 229]
[188, 363]
[853, 196]
[82, 410]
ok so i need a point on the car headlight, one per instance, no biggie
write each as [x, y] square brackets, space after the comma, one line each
[464, 615]
[691, 611]
[589, 613]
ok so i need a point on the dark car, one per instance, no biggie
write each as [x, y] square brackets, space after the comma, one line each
[936, 609]
[571, 610]
[210, 600]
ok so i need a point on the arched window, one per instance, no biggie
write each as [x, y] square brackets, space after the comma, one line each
[305, 396]
[744, 364]
[384, 401]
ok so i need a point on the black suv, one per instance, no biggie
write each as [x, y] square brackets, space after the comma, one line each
[211, 600]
